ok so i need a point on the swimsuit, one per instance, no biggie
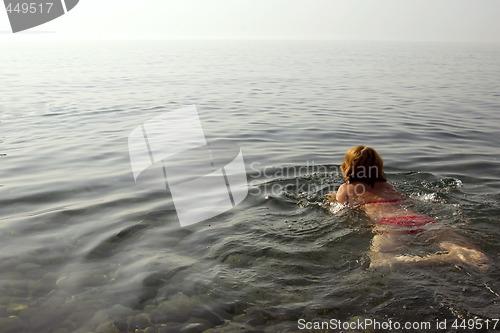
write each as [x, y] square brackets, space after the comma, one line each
[380, 201]
[405, 221]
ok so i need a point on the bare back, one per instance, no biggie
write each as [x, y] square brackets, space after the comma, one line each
[380, 201]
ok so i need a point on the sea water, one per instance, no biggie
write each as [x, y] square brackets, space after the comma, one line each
[86, 249]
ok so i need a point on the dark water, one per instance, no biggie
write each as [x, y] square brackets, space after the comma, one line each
[84, 249]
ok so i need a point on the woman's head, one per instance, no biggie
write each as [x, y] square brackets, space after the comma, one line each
[363, 164]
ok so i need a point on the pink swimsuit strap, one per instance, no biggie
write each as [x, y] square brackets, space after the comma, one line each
[406, 221]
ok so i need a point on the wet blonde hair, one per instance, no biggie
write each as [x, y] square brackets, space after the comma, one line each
[363, 164]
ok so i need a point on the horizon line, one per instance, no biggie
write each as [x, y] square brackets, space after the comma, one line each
[80, 37]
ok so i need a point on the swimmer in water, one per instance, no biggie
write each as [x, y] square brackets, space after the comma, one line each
[366, 188]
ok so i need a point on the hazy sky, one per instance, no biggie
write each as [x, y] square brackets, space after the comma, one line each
[415, 20]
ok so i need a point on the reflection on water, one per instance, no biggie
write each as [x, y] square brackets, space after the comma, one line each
[85, 249]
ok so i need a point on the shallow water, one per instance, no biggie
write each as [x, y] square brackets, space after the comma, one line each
[83, 248]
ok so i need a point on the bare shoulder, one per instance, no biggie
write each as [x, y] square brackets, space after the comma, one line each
[343, 193]
[388, 190]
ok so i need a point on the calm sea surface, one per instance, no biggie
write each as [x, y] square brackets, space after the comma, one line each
[85, 249]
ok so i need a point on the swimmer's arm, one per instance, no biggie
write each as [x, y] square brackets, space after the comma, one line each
[331, 196]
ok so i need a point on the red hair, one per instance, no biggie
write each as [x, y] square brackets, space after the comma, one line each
[363, 164]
